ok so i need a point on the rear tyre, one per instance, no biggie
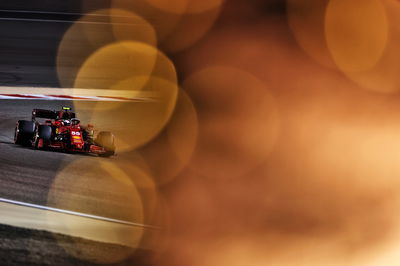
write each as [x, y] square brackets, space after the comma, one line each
[42, 136]
[24, 132]
[106, 140]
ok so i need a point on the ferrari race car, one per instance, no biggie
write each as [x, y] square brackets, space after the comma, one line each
[61, 130]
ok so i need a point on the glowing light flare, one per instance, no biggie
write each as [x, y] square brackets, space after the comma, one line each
[356, 33]
[387, 255]
[252, 250]
[357, 162]
[295, 216]
[307, 21]
[279, 221]
[87, 35]
[117, 62]
[105, 190]
[371, 154]
[130, 66]
[313, 252]
[238, 121]
[134, 124]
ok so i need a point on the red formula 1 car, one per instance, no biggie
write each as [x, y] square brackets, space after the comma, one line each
[62, 130]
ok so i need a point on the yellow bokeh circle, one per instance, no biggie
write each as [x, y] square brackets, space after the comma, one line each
[115, 63]
[94, 31]
[104, 190]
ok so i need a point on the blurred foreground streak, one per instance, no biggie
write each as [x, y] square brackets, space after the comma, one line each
[275, 140]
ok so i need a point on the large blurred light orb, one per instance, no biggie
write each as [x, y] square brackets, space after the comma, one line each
[104, 190]
[307, 22]
[171, 152]
[117, 62]
[356, 33]
[238, 121]
[94, 31]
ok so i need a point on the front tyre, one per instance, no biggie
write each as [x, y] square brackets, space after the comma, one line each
[42, 136]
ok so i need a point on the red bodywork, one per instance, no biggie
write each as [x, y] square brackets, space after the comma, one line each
[62, 130]
[69, 138]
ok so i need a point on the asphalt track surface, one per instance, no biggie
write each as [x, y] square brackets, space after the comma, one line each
[29, 44]
[28, 51]
[33, 176]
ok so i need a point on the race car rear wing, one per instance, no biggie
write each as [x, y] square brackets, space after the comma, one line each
[48, 114]
[41, 113]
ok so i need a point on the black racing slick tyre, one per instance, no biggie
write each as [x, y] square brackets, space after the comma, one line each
[106, 140]
[42, 135]
[24, 132]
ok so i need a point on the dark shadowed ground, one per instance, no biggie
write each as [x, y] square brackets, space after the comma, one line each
[20, 246]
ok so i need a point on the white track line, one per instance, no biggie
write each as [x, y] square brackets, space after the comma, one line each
[76, 91]
[68, 98]
[95, 217]
[76, 226]
[69, 94]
